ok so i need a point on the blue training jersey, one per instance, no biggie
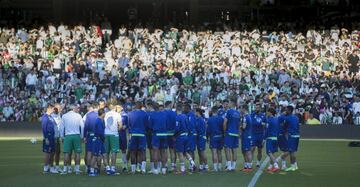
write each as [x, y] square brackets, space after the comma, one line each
[170, 121]
[48, 126]
[246, 126]
[200, 126]
[215, 126]
[89, 125]
[157, 122]
[293, 125]
[191, 122]
[283, 125]
[272, 127]
[233, 121]
[138, 121]
[99, 128]
[181, 124]
[124, 120]
[258, 122]
[221, 113]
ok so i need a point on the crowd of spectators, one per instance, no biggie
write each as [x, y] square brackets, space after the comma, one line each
[315, 71]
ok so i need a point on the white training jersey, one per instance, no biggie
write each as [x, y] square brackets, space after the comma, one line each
[112, 120]
[57, 119]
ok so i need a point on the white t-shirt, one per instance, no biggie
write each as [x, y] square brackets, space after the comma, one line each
[112, 119]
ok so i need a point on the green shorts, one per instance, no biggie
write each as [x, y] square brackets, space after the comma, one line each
[72, 143]
[111, 144]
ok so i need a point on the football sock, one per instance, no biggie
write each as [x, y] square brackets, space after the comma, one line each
[233, 164]
[192, 163]
[182, 167]
[163, 170]
[250, 165]
[138, 165]
[123, 158]
[283, 164]
[201, 166]
[278, 159]
[46, 168]
[143, 166]
[133, 168]
[152, 166]
[276, 165]
[228, 164]
[216, 167]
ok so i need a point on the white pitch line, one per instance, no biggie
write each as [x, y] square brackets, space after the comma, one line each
[259, 172]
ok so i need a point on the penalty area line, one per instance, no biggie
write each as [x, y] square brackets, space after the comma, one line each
[258, 172]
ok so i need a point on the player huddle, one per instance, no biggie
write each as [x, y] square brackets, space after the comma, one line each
[168, 134]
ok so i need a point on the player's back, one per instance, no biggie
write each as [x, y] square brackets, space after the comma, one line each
[215, 126]
[170, 120]
[138, 120]
[48, 125]
[99, 128]
[200, 126]
[90, 120]
[191, 122]
[272, 127]
[181, 124]
[293, 124]
[111, 122]
[158, 121]
[247, 121]
[283, 124]
[233, 123]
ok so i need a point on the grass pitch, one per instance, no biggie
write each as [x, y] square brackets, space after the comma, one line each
[321, 163]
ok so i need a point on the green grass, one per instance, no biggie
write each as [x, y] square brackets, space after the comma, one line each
[322, 163]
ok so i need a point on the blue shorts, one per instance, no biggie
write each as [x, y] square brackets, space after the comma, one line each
[191, 143]
[271, 146]
[89, 141]
[201, 143]
[98, 147]
[123, 140]
[231, 142]
[49, 148]
[257, 140]
[246, 143]
[293, 143]
[160, 142]
[283, 143]
[216, 142]
[137, 143]
[180, 144]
